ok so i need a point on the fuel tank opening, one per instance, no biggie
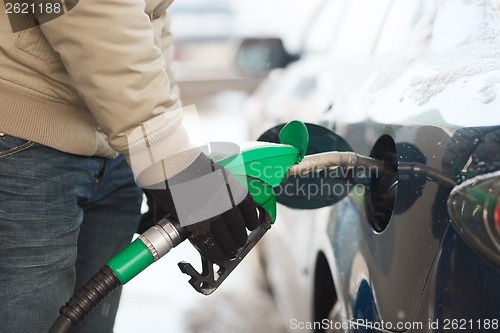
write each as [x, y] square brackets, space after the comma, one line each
[381, 194]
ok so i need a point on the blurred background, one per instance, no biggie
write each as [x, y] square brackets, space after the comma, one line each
[208, 32]
[207, 35]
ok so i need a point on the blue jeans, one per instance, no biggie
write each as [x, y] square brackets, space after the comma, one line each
[62, 217]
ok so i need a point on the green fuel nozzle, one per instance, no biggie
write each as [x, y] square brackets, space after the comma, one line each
[263, 166]
[259, 167]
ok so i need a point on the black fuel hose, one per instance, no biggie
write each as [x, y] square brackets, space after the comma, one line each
[73, 313]
[150, 246]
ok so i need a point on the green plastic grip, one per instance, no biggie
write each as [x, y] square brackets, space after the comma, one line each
[130, 261]
[265, 166]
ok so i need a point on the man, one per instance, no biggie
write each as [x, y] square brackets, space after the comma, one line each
[84, 94]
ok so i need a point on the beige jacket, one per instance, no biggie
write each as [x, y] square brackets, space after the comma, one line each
[81, 83]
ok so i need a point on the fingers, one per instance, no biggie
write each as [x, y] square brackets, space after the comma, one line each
[203, 238]
[249, 211]
[236, 224]
[223, 237]
[220, 238]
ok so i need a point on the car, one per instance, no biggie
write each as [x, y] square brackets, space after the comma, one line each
[203, 56]
[415, 84]
[193, 43]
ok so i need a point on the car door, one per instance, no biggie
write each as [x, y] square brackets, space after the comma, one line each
[386, 256]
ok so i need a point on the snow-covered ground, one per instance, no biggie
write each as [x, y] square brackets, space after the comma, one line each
[160, 299]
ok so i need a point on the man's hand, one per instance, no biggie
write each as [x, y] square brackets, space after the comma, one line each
[212, 205]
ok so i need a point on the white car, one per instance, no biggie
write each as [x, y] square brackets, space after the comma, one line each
[410, 82]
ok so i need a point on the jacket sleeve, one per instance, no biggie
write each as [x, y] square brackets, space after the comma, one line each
[168, 50]
[117, 64]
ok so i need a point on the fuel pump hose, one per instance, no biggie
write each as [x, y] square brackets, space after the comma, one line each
[153, 244]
